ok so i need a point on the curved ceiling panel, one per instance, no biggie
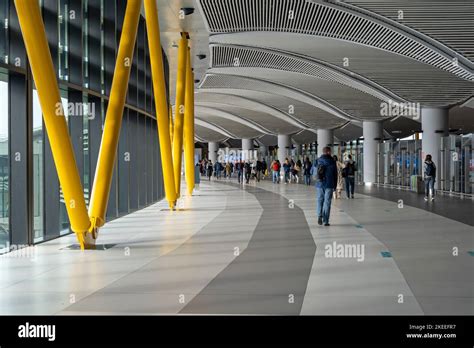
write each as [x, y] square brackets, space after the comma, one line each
[311, 115]
[268, 121]
[411, 80]
[249, 104]
[206, 134]
[326, 20]
[225, 82]
[211, 110]
[215, 128]
[349, 132]
[444, 21]
[355, 103]
[304, 137]
[239, 130]
[268, 140]
[242, 56]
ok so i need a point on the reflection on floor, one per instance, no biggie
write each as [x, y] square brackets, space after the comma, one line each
[254, 250]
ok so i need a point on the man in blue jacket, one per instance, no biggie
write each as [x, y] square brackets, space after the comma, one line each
[326, 182]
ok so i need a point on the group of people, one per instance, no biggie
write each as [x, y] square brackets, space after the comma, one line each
[291, 170]
[245, 170]
[332, 176]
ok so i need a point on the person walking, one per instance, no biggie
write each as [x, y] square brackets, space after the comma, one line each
[248, 171]
[210, 169]
[239, 167]
[307, 165]
[340, 179]
[275, 172]
[258, 170]
[227, 170]
[349, 176]
[287, 170]
[429, 177]
[326, 184]
[296, 171]
[264, 169]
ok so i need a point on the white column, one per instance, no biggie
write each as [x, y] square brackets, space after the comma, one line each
[263, 151]
[435, 124]
[325, 138]
[213, 148]
[284, 145]
[247, 148]
[373, 135]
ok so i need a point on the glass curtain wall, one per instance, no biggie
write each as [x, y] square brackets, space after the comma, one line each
[401, 164]
[83, 49]
[38, 170]
[4, 165]
[455, 172]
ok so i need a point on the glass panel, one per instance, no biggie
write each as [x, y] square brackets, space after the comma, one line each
[85, 43]
[38, 170]
[469, 159]
[4, 30]
[63, 217]
[4, 166]
[102, 44]
[63, 13]
[85, 144]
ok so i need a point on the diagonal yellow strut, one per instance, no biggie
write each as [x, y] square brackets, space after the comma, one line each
[36, 43]
[113, 118]
[171, 122]
[161, 104]
[179, 111]
[189, 126]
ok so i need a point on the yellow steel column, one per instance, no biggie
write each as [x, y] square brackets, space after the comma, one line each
[37, 49]
[189, 126]
[179, 111]
[171, 122]
[113, 118]
[161, 104]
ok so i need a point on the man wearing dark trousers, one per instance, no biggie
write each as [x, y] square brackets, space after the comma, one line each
[325, 185]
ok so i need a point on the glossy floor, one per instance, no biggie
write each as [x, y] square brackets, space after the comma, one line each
[255, 250]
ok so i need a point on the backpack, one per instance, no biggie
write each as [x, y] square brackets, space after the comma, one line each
[430, 169]
[350, 169]
[321, 172]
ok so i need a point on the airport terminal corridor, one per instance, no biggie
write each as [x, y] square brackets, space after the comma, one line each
[253, 249]
[191, 170]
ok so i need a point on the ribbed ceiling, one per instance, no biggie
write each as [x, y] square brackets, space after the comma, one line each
[268, 55]
[232, 56]
[353, 102]
[311, 18]
[223, 82]
[410, 79]
[450, 22]
[308, 114]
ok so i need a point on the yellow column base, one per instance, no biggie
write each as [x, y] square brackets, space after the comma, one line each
[86, 240]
